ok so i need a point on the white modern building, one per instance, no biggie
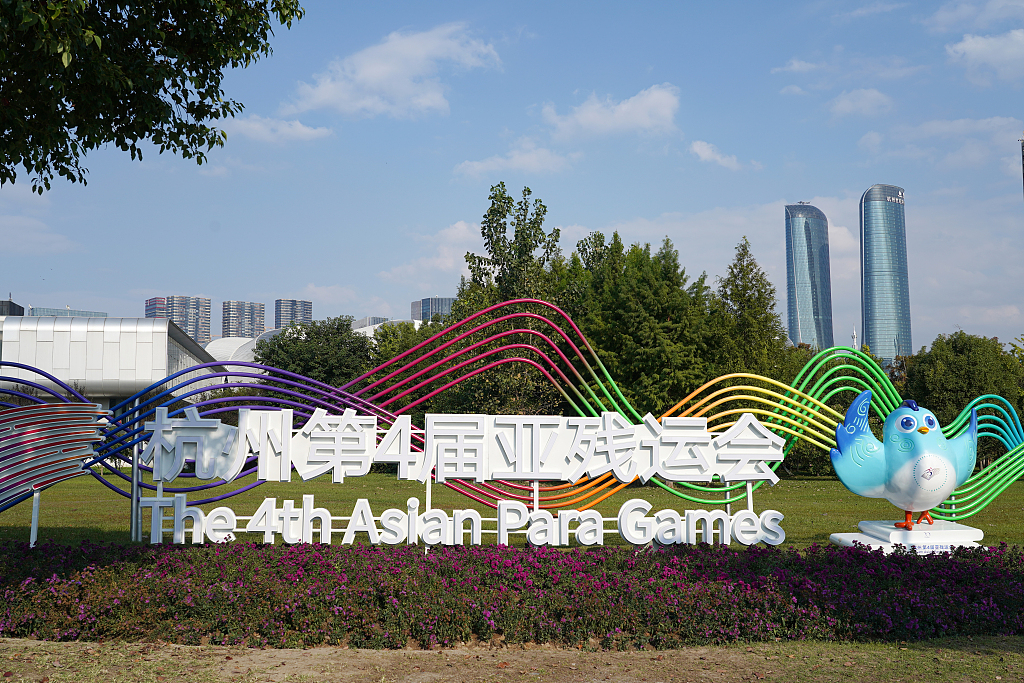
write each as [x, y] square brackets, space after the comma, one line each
[106, 359]
[242, 349]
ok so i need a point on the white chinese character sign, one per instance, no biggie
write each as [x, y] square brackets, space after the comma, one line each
[472, 449]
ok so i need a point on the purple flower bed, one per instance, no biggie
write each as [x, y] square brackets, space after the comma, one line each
[386, 597]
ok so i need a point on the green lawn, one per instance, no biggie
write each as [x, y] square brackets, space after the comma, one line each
[814, 508]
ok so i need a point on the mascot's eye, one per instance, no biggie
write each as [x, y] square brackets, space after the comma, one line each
[929, 422]
[907, 424]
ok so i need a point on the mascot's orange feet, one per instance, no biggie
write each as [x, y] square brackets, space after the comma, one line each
[908, 524]
[927, 517]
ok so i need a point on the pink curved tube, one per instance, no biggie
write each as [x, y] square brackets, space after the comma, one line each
[471, 318]
[462, 378]
[448, 359]
[474, 360]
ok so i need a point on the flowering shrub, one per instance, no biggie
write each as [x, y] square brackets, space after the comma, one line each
[381, 597]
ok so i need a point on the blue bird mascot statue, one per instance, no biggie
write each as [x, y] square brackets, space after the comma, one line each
[915, 468]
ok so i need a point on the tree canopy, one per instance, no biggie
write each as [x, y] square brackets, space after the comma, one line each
[76, 75]
[325, 350]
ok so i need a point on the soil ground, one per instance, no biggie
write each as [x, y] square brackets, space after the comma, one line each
[954, 660]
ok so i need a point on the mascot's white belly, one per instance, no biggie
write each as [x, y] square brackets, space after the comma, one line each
[921, 483]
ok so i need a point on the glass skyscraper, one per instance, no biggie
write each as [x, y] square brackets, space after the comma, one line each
[808, 278]
[884, 284]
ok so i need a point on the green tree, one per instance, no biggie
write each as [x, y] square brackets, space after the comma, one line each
[80, 74]
[958, 368]
[325, 350]
[516, 265]
[654, 330]
[748, 297]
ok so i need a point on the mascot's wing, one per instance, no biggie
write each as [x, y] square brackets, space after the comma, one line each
[859, 460]
[965, 450]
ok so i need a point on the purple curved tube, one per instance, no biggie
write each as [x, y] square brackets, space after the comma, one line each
[48, 376]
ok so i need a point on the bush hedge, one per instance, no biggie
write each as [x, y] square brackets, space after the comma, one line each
[394, 597]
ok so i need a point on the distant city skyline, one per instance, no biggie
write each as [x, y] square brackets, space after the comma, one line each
[358, 174]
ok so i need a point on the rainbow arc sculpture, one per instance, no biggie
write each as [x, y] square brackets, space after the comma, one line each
[529, 333]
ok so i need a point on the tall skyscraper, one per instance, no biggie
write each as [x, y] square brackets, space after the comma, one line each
[241, 319]
[426, 309]
[808, 276]
[287, 311]
[190, 313]
[884, 283]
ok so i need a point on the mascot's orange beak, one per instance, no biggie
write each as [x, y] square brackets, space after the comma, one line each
[924, 430]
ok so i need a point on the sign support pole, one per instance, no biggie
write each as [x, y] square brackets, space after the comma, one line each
[34, 534]
[135, 527]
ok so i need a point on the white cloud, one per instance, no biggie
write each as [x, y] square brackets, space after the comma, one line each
[1003, 54]
[397, 77]
[871, 141]
[998, 127]
[446, 257]
[981, 15]
[705, 151]
[870, 10]
[274, 130]
[525, 156]
[329, 295]
[649, 111]
[863, 102]
[31, 236]
[977, 141]
[797, 66]
[792, 90]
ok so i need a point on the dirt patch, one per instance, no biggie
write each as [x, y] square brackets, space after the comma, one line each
[30, 660]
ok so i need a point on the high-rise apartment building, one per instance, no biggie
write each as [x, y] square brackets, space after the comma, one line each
[242, 319]
[190, 313]
[156, 307]
[288, 311]
[426, 309]
[808, 276]
[884, 282]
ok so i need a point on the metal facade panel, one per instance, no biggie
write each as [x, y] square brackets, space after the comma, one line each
[79, 328]
[61, 350]
[27, 346]
[44, 330]
[145, 329]
[44, 356]
[111, 360]
[77, 353]
[144, 362]
[160, 360]
[94, 350]
[126, 348]
[111, 330]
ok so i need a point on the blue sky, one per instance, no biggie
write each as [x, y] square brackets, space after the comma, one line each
[360, 168]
